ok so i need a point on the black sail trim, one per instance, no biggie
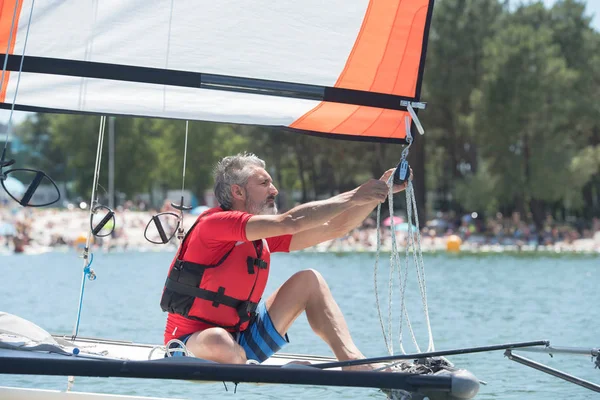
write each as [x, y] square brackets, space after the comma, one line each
[199, 80]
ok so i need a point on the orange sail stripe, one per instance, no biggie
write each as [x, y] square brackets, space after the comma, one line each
[7, 10]
[385, 59]
[357, 121]
[386, 124]
[327, 116]
[408, 72]
[361, 66]
[360, 120]
[403, 54]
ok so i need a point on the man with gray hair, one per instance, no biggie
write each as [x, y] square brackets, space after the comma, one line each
[215, 284]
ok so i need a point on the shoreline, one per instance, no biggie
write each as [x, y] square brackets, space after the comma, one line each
[54, 230]
[467, 253]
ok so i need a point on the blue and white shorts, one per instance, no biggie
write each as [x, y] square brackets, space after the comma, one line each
[260, 340]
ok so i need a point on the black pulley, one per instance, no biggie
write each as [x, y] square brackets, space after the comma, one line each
[402, 173]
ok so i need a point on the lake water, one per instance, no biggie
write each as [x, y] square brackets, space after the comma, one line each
[473, 301]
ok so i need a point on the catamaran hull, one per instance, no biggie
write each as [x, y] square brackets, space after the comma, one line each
[26, 349]
[109, 359]
[10, 393]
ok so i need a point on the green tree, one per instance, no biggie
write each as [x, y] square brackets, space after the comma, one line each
[524, 112]
[454, 69]
[134, 155]
[75, 138]
[42, 153]
[580, 45]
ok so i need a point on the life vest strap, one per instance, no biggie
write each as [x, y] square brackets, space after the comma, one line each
[255, 262]
[217, 298]
[181, 264]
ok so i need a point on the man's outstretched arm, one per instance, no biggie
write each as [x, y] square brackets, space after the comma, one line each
[310, 215]
[341, 224]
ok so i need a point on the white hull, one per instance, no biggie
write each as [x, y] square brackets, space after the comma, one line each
[10, 393]
[142, 352]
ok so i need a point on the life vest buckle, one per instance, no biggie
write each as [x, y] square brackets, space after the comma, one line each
[246, 310]
[178, 265]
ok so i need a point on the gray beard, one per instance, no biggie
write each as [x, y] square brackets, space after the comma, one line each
[262, 208]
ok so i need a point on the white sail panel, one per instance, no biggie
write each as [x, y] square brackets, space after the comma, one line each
[306, 41]
[139, 99]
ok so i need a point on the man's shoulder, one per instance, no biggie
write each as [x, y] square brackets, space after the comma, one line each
[222, 225]
[220, 211]
[217, 213]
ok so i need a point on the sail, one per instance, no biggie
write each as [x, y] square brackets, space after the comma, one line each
[333, 68]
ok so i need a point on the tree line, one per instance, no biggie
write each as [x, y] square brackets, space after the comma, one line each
[512, 124]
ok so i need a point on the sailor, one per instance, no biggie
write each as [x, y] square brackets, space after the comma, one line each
[216, 282]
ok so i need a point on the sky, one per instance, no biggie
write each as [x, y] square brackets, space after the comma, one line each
[592, 8]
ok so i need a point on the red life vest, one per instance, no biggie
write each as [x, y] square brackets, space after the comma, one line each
[225, 294]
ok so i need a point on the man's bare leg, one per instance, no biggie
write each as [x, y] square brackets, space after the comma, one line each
[308, 291]
[216, 344]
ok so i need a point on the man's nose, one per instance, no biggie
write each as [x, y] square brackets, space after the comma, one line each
[273, 190]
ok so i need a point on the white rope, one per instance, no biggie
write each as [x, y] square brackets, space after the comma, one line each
[181, 349]
[388, 343]
[413, 246]
[154, 349]
[418, 259]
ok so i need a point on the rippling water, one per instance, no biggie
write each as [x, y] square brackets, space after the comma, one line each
[472, 301]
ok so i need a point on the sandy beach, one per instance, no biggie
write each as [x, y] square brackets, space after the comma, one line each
[43, 230]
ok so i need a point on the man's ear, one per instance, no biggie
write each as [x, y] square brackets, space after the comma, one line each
[238, 192]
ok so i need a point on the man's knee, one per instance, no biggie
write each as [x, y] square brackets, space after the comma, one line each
[216, 344]
[311, 279]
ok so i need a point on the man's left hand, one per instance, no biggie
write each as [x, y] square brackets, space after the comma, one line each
[397, 188]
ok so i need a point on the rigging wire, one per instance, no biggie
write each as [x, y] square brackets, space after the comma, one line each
[4, 67]
[156, 222]
[86, 251]
[88, 272]
[181, 207]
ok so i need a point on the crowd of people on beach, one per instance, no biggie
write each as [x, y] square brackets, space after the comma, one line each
[469, 233]
[34, 231]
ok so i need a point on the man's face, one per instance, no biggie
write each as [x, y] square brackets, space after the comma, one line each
[260, 193]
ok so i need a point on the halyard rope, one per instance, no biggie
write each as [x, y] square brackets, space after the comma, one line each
[413, 245]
